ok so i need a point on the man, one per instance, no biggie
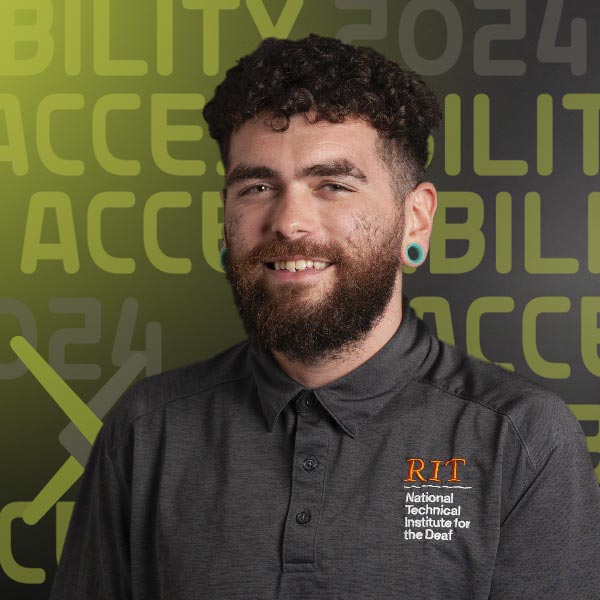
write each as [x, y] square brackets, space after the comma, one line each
[342, 451]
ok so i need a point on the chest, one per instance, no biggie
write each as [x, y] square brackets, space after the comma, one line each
[307, 511]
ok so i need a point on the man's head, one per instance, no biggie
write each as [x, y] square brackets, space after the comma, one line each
[324, 146]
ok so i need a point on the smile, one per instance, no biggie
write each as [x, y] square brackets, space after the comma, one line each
[293, 273]
[297, 265]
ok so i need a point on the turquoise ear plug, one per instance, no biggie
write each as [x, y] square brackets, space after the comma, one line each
[414, 254]
[222, 255]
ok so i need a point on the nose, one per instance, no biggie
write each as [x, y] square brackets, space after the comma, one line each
[293, 214]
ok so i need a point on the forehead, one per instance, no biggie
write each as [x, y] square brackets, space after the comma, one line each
[305, 143]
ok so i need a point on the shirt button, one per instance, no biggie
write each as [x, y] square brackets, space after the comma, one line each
[310, 464]
[303, 517]
[309, 402]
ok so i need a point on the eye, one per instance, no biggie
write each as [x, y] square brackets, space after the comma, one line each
[255, 189]
[337, 187]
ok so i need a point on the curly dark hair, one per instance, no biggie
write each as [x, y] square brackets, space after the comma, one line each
[331, 81]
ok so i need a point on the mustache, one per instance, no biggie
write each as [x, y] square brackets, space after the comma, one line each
[332, 251]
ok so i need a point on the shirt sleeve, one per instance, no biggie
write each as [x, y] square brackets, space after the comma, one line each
[549, 544]
[95, 561]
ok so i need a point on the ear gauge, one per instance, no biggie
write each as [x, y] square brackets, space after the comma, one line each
[222, 256]
[414, 254]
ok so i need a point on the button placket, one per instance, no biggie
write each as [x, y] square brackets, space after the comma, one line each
[308, 479]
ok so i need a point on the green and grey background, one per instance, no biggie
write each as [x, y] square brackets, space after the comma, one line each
[110, 217]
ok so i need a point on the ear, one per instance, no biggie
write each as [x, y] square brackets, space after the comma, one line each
[223, 199]
[419, 210]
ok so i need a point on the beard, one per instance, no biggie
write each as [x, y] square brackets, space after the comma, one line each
[310, 321]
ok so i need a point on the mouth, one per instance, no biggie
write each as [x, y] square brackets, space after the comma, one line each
[296, 272]
[294, 264]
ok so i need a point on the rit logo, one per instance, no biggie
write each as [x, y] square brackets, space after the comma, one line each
[416, 468]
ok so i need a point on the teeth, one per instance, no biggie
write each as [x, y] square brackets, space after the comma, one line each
[299, 265]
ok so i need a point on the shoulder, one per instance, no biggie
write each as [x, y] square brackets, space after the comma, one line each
[155, 391]
[537, 416]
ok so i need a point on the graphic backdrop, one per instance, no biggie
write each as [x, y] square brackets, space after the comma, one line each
[110, 216]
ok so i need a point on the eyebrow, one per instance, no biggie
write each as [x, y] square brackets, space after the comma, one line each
[333, 168]
[243, 172]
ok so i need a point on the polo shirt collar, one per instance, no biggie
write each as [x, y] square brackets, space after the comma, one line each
[358, 395]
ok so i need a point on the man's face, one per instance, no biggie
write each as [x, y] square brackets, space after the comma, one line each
[315, 192]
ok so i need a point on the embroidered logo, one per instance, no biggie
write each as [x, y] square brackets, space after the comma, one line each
[417, 465]
[430, 515]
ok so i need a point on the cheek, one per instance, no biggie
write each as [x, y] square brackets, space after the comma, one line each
[242, 232]
[365, 228]
[232, 229]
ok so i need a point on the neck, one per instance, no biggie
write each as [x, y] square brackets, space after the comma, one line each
[324, 371]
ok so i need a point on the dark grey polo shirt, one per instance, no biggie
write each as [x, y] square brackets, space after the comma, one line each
[424, 473]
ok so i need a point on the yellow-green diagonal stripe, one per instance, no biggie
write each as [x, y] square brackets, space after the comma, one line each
[79, 413]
